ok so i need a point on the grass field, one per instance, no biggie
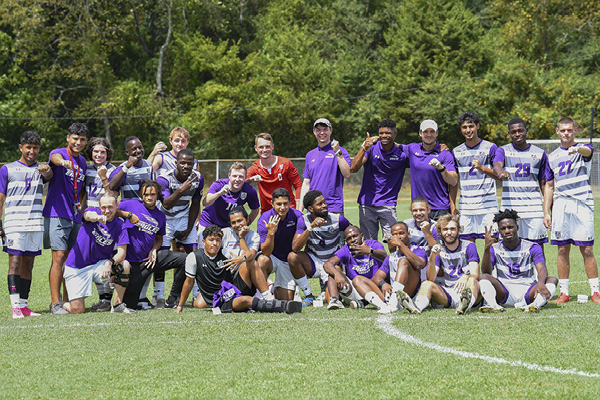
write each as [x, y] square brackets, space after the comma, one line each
[316, 354]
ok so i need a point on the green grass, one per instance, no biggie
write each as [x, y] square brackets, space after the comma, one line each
[316, 354]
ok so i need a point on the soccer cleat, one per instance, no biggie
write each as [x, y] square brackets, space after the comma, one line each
[308, 300]
[57, 309]
[335, 304]
[144, 304]
[28, 313]
[101, 306]
[490, 309]
[292, 307]
[171, 302]
[531, 309]
[17, 313]
[122, 308]
[465, 301]
[562, 298]
[407, 303]
[386, 309]
[356, 304]
[596, 297]
[160, 304]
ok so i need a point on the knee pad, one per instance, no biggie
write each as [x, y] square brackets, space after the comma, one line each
[122, 279]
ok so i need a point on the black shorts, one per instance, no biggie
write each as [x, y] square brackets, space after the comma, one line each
[243, 287]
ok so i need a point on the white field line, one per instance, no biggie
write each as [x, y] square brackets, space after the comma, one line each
[385, 324]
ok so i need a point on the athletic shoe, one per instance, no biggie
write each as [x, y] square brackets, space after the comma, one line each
[101, 306]
[490, 309]
[596, 297]
[171, 302]
[334, 304]
[292, 307]
[562, 298]
[160, 304]
[321, 296]
[406, 302]
[57, 309]
[144, 304]
[28, 313]
[531, 309]
[308, 300]
[356, 304]
[122, 308]
[17, 313]
[465, 301]
[386, 309]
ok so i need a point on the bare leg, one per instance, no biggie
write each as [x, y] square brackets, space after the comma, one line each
[75, 306]
[56, 273]
[563, 263]
[589, 261]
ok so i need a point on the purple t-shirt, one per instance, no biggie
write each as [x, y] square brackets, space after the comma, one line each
[425, 180]
[284, 234]
[324, 173]
[141, 236]
[364, 265]
[61, 189]
[218, 212]
[96, 241]
[383, 174]
[396, 256]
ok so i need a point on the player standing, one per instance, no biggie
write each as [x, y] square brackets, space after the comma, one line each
[179, 138]
[100, 153]
[129, 175]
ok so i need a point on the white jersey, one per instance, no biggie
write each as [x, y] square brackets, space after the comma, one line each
[93, 184]
[522, 191]
[231, 242]
[23, 187]
[456, 263]
[134, 178]
[572, 175]
[169, 163]
[169, 183]
[516, 265]
[417, 237]
[477, 190]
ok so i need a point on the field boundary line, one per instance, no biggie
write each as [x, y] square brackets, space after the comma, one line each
[385, 324]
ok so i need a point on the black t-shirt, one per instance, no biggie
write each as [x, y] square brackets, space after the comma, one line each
[209, 273]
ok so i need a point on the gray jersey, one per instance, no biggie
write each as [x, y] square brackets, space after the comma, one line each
[23, 187]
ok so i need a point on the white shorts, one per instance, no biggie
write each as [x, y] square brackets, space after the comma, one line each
[572, 223]
[351, 293]
[178, 224]
[516, 293]
[318, 271]
[283, 274]
[533, 229]
[79, 281]
[473, 226]
[452, 295]
[28, 244]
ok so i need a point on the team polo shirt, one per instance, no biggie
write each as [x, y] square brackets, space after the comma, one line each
[96, 241]
[517, 265]
[169, 184]
[426, 180]
[60, 198]
[23, 187]
[324, 173]
[364, 265]
[218, 212]
[284, 235]
[141, 235]
[282, 174]
[390, 265]
[323, 241]
[455, 263]
[383, 175]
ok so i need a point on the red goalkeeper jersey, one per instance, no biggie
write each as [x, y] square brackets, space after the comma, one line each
[282, 175]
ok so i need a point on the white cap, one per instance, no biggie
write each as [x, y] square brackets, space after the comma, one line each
[323, 121]
[428, 123]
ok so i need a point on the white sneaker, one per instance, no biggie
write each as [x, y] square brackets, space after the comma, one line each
[335, 304]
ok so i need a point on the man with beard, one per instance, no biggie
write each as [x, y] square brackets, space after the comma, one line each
[128, 176]
[516, 261]
[384, 164]
[459, 261]
[350, 271]
[319, 231]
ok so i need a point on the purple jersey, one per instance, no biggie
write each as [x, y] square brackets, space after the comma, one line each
[455, 263]
[96, 241]
[324, 173]
[284, 234]
[383, 174]
[517, 265]
[390, 264]
[141, 236]
[60, 200]
[364, 265]
[218, 212]
[425, 180]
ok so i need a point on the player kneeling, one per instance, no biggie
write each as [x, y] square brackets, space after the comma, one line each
[459, 261]
[214, 272]
[516, 261]
[91, 259]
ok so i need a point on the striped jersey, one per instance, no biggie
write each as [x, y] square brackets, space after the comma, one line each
[456, 263]
[130, 185]
[517, 265]
[323, 241]
[169, 163]
[417, 237]
[169, 184]
[23, 187]
[93, 184]
[571, 175]
[526, 168]
[477, 190]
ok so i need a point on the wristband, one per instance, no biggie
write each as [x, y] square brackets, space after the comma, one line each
[371, 250]
[338, 153]
[179, 307]
[381, 283]
[443, 169]
[309, 228]
[112, 261]
[124, 169]
[129, 215]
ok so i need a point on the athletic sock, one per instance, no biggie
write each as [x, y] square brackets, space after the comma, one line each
[303, 283]
[144, 292]
[488, 292]
[421, 302]
[159, 290]
[551, 288]
[15, 300]
[104, 291]
[397, 286]
[539, 301]
[564, 286]
[594, 285]
[353, 295]
[14, 285]
[372, 298]
[24, 292]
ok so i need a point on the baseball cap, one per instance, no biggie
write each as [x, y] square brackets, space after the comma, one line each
[323, 121]
[428, 123]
